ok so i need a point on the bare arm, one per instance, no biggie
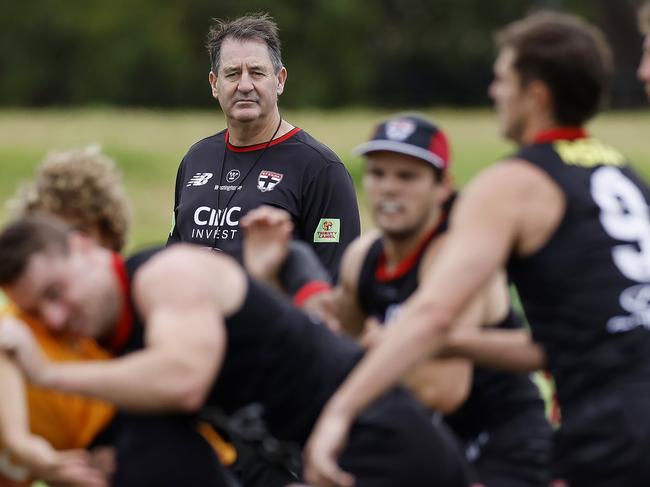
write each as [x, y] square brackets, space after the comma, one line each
[14, 426]
[461, 269]
[33, 452]
[183, 307]
[484, 227]
[267, 232]
[348, 308]
[442, 385]
[510, 350]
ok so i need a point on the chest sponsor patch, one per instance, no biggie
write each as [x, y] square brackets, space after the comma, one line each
[267, 180]
[328, 230]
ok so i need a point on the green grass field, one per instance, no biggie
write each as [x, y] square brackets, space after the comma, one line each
[148, 146]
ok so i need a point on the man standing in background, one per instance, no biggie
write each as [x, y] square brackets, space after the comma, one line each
[260, 158]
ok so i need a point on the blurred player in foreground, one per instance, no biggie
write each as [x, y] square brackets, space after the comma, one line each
[187, 340]
[570, 219]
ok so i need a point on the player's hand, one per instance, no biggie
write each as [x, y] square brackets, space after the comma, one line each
[373, 332]
[104, 459]
[70, 468]
[325, 444]
[323, 306]
[19, 342]
[267, 232]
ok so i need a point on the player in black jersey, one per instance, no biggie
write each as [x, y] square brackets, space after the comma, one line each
[187, 340]
[570, 218]
[260, 158]
[644, 66]
[502, 425]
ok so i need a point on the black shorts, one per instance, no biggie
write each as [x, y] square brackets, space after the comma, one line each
[161, 451]
[605, 441]
[395, 443]
[517, 453]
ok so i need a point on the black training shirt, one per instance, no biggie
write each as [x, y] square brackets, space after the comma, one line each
[495, 397]
[217, 183]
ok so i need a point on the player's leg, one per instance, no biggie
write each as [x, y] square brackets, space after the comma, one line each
[605, 441]
[394, 442]
[161, 451]
[516, 453]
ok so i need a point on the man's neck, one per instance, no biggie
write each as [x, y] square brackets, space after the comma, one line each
[257, 131]
[535, 126]
[397, 250]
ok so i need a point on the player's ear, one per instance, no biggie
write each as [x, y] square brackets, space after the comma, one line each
[212, 79]
[282, 78]
[540, 94]
[446, 187]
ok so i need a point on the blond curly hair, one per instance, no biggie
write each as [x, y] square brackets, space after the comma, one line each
[84, 188]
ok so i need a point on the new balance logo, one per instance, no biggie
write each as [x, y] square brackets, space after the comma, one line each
[199, 179]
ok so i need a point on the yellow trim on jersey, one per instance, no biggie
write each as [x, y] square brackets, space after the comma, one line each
[588, 153]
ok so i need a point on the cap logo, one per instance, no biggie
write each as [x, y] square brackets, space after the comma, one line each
[400, 129]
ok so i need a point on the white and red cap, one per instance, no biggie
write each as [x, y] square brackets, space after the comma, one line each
[412, 135]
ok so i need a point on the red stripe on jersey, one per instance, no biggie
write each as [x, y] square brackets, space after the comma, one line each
[560, 133]
[125, 324]
[251, 148]
[383, 275]
[308, 290]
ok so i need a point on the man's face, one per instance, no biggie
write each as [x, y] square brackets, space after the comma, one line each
[508, 96]
[68, 293]
[644, 67]
[403, 195]
[246, 85]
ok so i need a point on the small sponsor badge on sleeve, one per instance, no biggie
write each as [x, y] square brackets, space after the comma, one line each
[328, 230]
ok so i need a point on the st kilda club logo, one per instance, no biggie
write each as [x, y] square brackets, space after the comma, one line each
[267, 180]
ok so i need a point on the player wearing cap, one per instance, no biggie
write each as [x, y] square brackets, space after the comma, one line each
[502, 425]
[408, 187]
[570, 218]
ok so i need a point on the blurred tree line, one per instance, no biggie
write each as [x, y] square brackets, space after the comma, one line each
[382, 53]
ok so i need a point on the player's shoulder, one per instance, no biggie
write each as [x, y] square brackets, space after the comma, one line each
[183, 257]
[186, 271]
[355, 254]
[362, 243]
[511, 177]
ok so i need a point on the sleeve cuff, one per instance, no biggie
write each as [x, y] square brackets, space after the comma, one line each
[308, 290]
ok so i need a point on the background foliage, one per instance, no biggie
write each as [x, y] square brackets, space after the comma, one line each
[385, 53]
